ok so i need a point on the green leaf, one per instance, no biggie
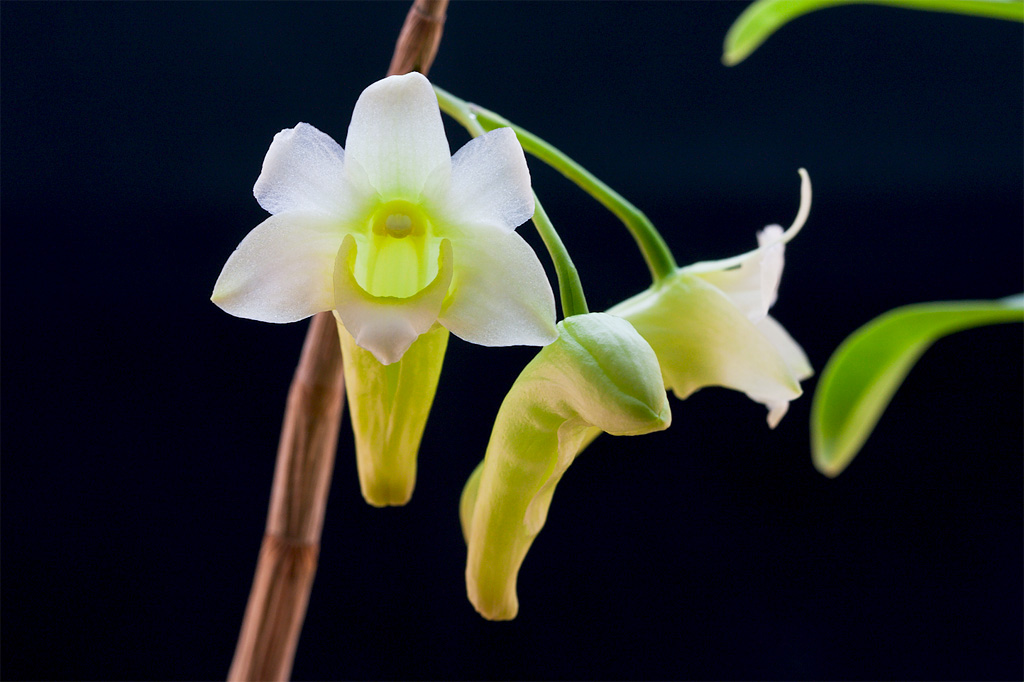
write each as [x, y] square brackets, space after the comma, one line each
[863, 374]
[764, 17]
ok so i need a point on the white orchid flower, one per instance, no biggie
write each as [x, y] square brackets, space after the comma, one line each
[404, 243]
[393, 233]
[709, 324]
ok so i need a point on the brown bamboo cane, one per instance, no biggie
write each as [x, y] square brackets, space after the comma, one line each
[305, 456]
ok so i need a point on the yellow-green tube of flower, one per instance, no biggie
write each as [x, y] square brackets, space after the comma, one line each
[389, 406]
[599, 375]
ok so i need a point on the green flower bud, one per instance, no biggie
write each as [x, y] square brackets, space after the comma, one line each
[599, 375]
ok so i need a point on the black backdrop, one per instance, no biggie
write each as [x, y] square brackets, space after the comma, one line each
[140, 422]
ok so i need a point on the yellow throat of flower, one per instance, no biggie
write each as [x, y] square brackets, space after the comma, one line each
[398, 256]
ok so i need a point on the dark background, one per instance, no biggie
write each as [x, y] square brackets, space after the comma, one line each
[140, 422]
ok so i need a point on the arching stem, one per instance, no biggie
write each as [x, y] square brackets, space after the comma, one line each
[570, 288]
[655, 251]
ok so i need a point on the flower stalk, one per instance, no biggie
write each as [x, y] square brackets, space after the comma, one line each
[570, 289]
[288, 556]
[655, 251]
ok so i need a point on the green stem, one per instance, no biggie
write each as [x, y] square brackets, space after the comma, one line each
[655, 251]
[459, 110]
[570, 288]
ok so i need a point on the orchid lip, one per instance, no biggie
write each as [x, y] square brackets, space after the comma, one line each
[398, 252]
[387, 325]
[346, 262]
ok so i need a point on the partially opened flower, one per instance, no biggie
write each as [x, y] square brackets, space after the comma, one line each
[709, 324]
[397, 238]
[599, 376]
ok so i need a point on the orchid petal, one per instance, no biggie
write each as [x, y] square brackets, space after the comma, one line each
[500, 294]
[281, 271]
[792, 354]
[304, 170]
[793, 230]
[396, 135]
[754, 285]
[777, 409]
[490, 184]
[702, 339]
[773, 259]
[386, 325]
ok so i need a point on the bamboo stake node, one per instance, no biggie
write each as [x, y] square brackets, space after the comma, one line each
[420, 37]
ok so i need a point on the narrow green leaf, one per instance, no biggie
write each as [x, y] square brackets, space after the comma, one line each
[863, 374]
[764, 17]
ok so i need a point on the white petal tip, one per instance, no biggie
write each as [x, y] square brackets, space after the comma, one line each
[805, 206]
[550, 338]
[776, 411]
[380, 341]
[769, 236]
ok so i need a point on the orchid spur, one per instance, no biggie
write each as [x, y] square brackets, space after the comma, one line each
[404, 243]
